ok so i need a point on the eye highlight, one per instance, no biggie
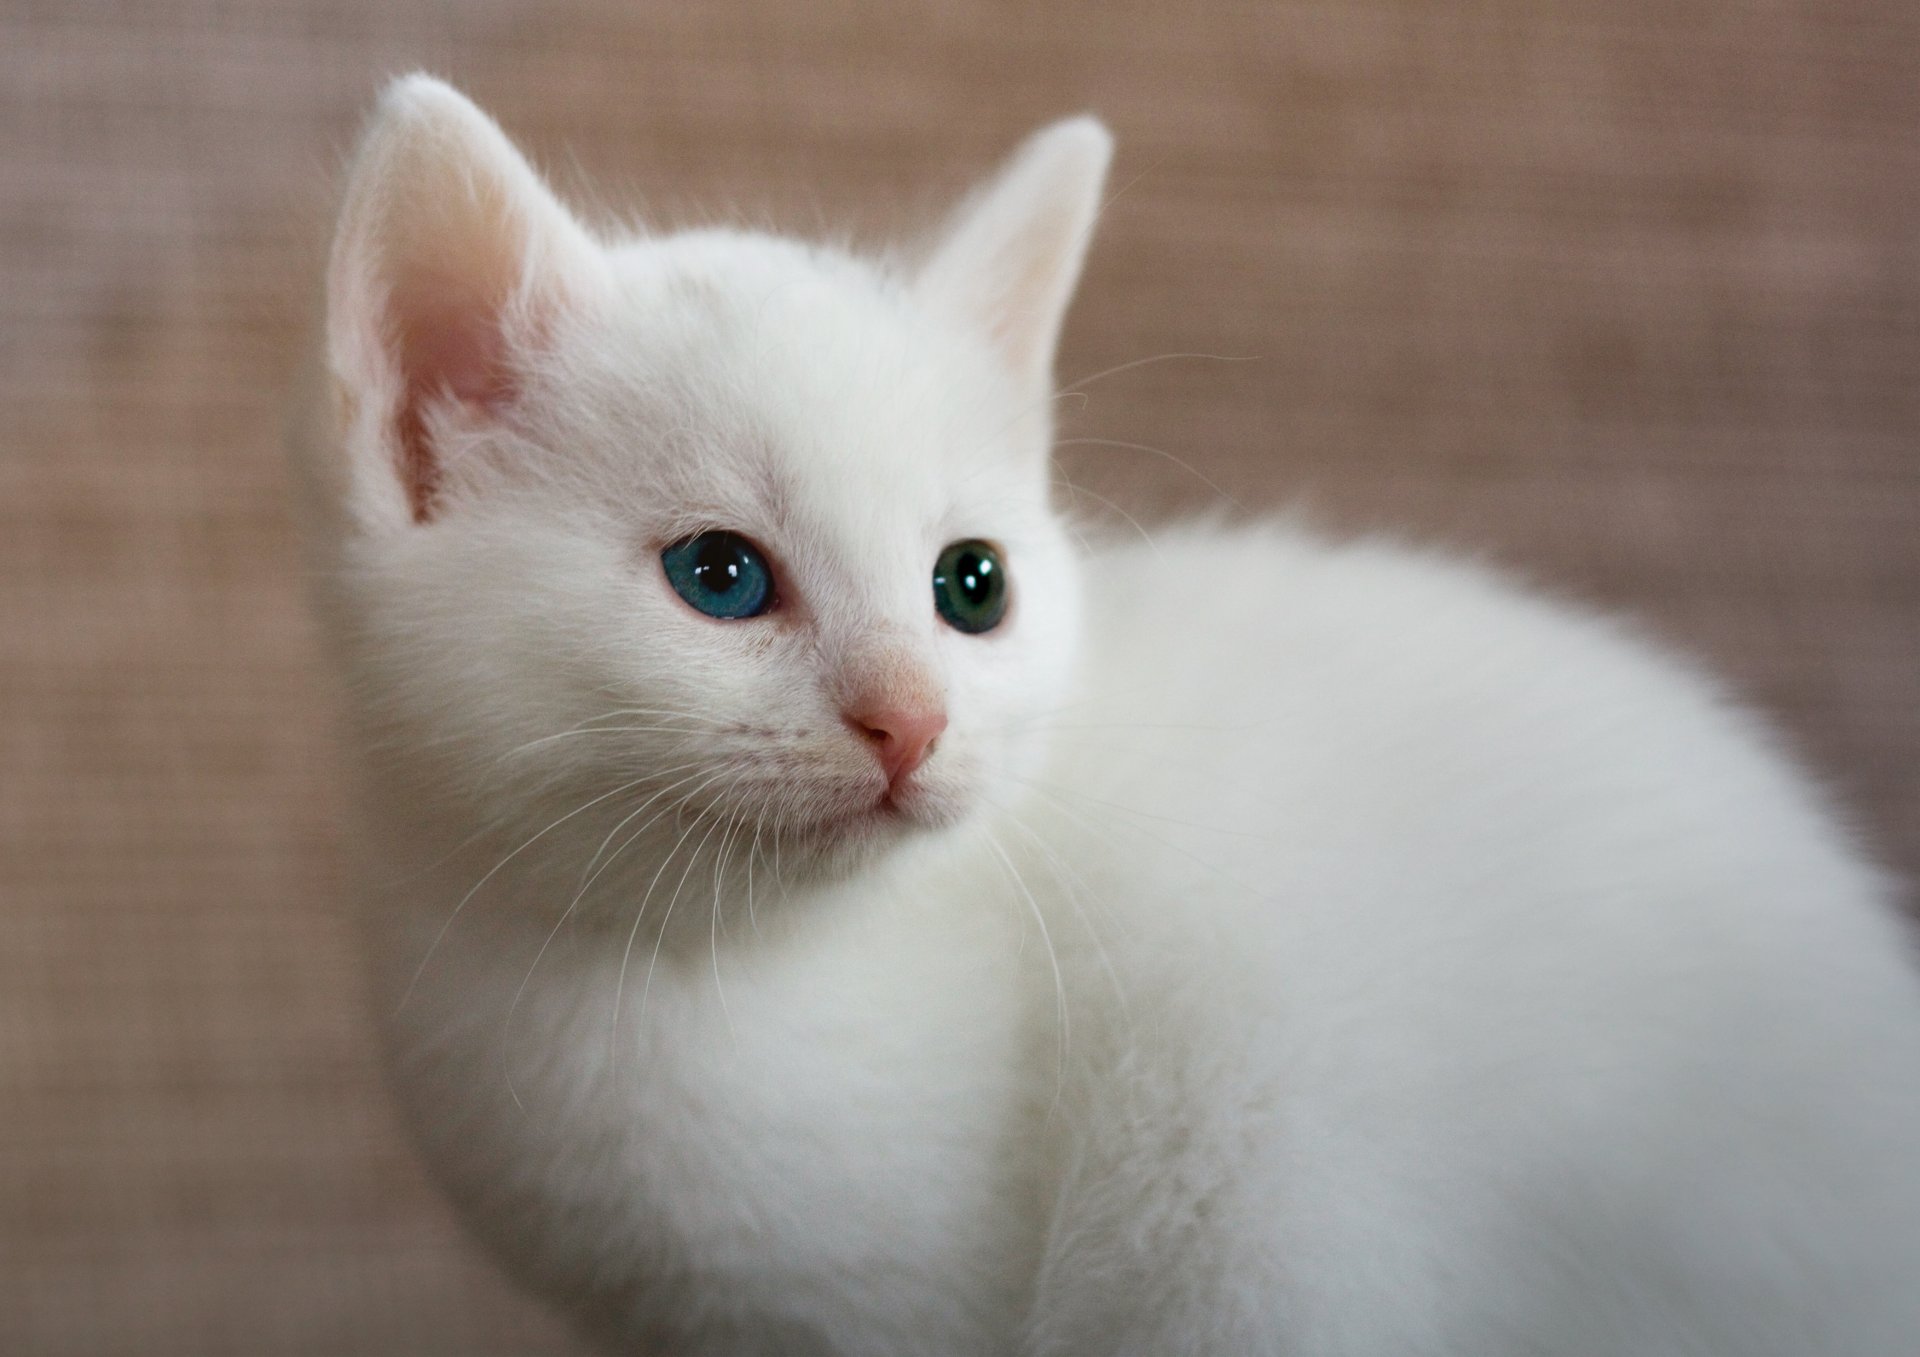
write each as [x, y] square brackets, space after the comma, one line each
[721, 574]
[970, 586]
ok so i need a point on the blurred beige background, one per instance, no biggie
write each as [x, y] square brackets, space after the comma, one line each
[1627, 294]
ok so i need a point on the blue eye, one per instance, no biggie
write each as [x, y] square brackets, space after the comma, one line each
[721, 574]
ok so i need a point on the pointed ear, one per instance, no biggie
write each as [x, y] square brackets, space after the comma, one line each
[1009, 259]
[451, 263]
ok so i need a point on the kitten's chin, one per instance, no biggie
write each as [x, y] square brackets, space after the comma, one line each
[843, 839]
[890, 816]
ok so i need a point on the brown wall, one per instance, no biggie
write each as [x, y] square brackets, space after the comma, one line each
[1627, 294]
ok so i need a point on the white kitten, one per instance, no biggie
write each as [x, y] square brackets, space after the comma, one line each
[1243, 945]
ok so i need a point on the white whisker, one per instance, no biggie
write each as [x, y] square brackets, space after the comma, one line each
[1077, 387]
[1180, 462]
[587, 872]
[598, 730]
[713, 924]
[506, 1030]
[1124, 843]
[441, 935]
[1061, 1022]
[753, 920]
[667, 919]
[1145, 536]
[1060, 867]
[640, 913]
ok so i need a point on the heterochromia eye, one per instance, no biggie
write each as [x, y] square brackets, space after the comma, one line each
[970, 586]
[721, 574]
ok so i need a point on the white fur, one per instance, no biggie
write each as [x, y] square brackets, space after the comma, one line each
[1291, 948]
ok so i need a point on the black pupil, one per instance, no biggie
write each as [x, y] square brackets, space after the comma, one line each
[716, 565]
[974, 577]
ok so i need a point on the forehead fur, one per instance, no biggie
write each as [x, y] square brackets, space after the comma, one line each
[830, 354]
[759, 382]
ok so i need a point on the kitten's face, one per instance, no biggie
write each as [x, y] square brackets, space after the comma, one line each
[569, 486]
[739, 386]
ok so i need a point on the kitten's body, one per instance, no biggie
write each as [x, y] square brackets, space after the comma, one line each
[1336, 951]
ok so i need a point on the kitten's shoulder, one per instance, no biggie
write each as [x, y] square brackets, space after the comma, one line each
[1380, 631]
[1284, 569]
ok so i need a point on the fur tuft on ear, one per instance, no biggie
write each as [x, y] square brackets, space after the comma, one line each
[451, 261]
[1009, 259]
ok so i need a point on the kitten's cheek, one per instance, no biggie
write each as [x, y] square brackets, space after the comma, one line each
[938, 807]
[956, 792]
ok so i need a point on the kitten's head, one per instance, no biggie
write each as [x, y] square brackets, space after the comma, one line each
[757, 526]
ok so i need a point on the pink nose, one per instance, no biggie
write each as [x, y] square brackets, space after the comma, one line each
[901, 737]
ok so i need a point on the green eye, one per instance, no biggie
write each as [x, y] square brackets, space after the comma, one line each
[970, 587]
[720, 573]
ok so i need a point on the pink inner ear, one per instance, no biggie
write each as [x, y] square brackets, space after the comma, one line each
[451, 347]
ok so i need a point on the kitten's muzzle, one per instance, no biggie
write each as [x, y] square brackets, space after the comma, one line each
[901, 736]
